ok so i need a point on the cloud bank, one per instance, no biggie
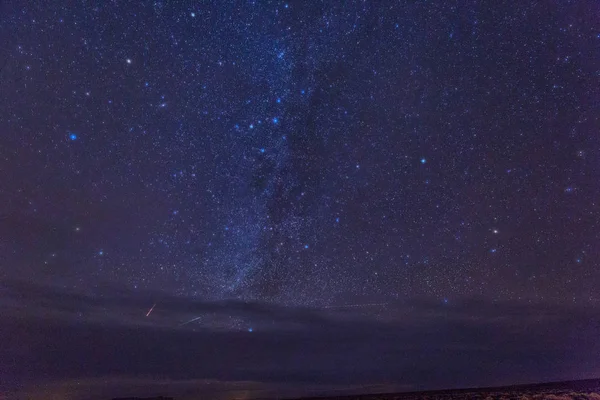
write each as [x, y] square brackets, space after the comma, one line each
[79, 341]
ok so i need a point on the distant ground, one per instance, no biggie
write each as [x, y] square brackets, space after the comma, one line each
[571, 390]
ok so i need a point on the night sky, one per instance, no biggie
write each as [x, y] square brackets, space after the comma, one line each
[278, 198]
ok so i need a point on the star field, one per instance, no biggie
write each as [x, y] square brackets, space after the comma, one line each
[307, 153]
[252, 199]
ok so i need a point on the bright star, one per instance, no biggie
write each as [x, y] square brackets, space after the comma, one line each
[275, 120]
[262, 150]
[423, 161]
[306, 246]
[73, 136]
[250, 329]
[128, 61]
[101, 253]
[193, 14]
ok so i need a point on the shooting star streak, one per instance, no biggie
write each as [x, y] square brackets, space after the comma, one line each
[191, 320]
[359, 305]
[152, 308]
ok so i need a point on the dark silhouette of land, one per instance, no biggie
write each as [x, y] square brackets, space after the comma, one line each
[144, 398]
[565, 390]
[588, 389]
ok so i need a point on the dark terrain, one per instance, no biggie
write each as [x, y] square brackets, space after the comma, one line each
[567, 390]
[580, 390]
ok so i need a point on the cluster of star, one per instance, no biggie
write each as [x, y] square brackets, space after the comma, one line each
[302, 154]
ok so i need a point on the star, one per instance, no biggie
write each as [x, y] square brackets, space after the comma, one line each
[216, 172]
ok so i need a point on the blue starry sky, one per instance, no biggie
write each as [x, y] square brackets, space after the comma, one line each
[302, 153]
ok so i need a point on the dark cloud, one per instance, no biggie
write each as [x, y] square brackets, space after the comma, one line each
[424, 344]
